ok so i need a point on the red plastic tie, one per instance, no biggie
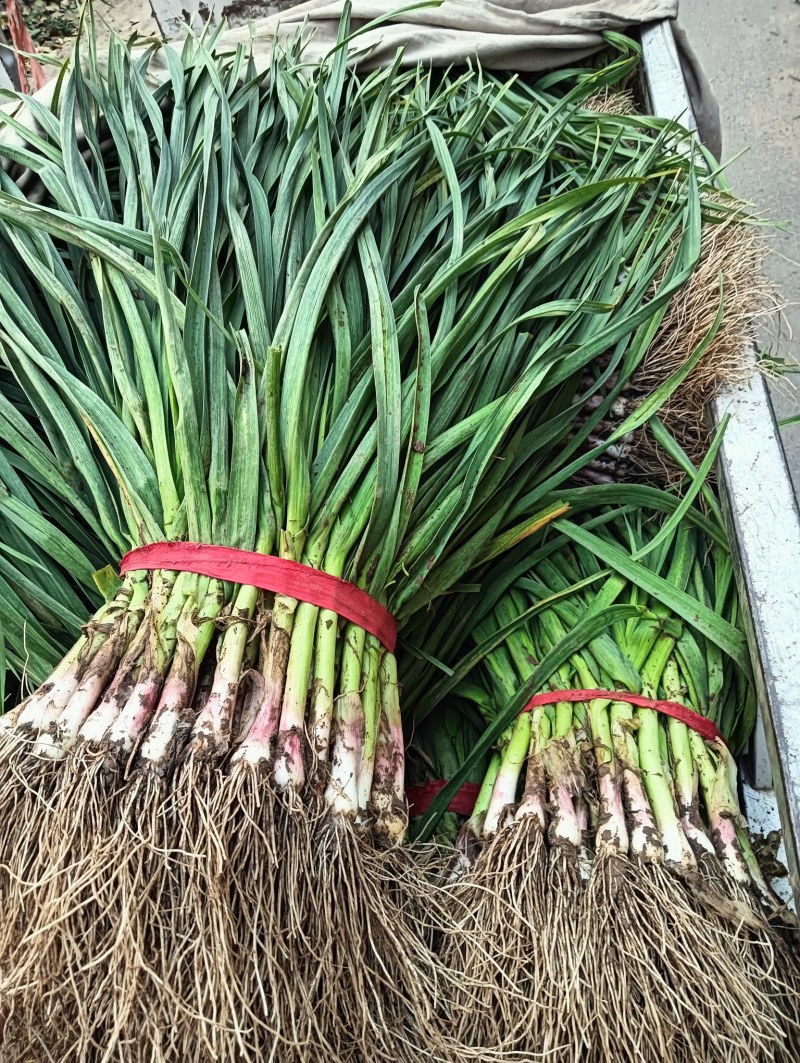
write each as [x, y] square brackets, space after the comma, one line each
[705, 728]
[420, 798]
[268, 573]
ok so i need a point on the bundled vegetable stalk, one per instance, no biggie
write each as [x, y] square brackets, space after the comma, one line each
[606, 895]
[339, 321]
[43, 600]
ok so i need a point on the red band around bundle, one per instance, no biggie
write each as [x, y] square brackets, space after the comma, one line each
[420, 797]
[705, 728]
[270, 574]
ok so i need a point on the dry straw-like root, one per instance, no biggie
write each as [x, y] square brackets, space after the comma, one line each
[676, 980]
[338, 949]
[505, 1000]
[733, 250]
[630, 1010]
[760, 959]
[611, 100]
[635, 963]
[29, 789]
[268, 838]
[378, 982]
[70, 980]
[204, 960]
[46, 884]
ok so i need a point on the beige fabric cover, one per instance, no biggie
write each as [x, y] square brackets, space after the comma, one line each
[519, 35]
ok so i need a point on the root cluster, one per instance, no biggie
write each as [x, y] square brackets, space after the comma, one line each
[598, 951]
[165, 898]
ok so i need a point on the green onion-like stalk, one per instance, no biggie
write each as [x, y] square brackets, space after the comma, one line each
[625, 819]
[349, 319]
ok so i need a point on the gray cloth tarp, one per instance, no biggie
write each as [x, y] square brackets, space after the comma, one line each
[518, 35]
[523, 35]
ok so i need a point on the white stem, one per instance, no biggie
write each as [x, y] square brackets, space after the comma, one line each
[342, 789]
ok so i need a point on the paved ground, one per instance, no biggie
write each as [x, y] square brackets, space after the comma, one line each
[751, 53]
